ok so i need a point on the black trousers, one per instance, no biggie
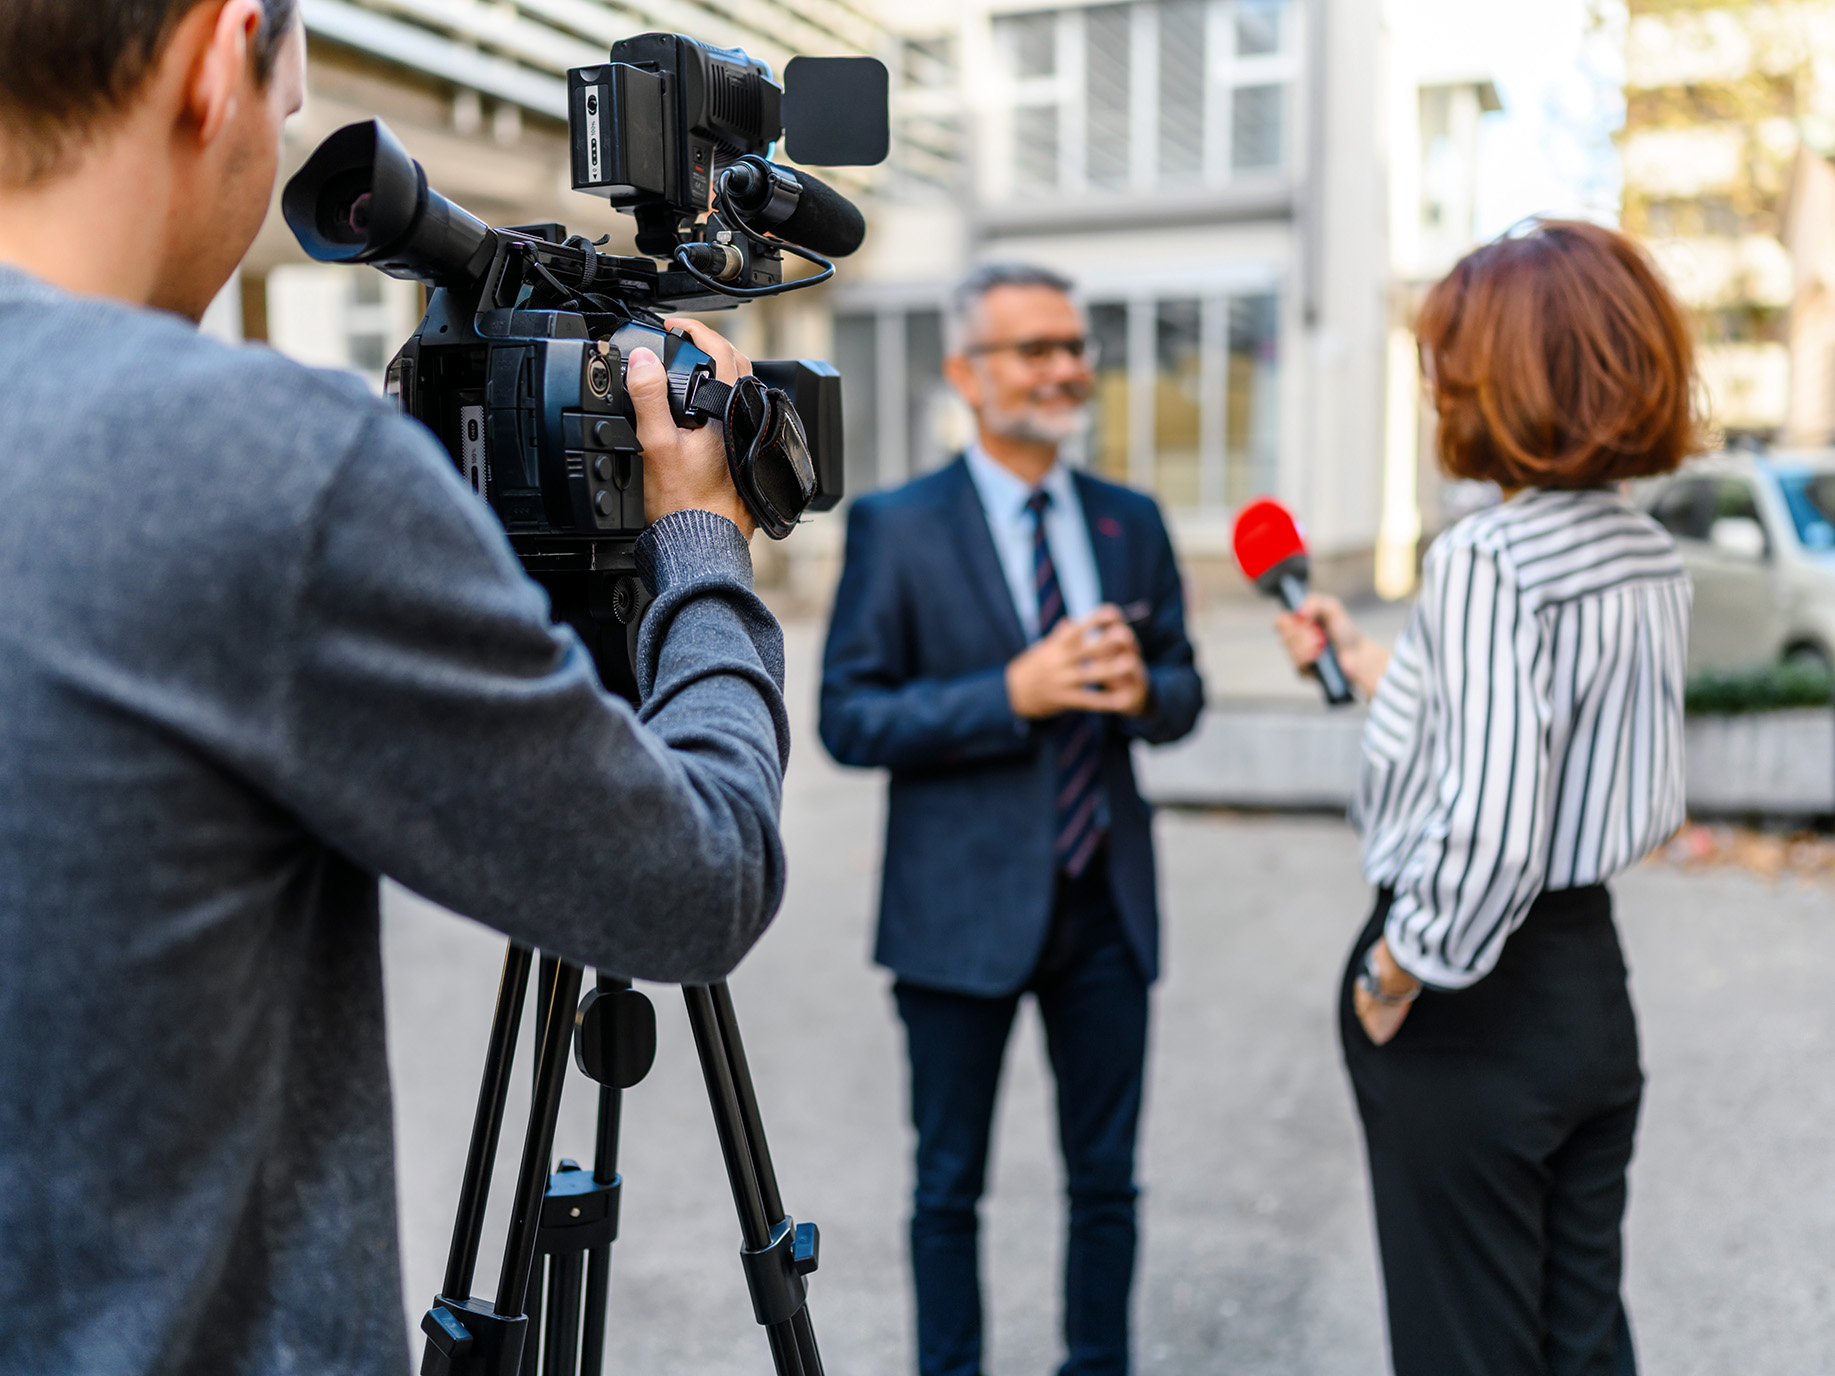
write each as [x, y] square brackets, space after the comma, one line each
[1499, 1125]
[1093, 1002]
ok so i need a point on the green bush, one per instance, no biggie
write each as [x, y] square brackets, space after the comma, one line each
[1724, 692]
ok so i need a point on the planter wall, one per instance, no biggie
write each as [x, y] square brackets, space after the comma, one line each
[1267, 757]
[1299, 758]
[1777, 762]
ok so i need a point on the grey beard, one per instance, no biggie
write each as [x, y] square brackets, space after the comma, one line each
[1037, 427]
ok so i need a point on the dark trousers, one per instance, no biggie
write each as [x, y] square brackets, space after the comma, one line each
[1499, 1125]
[1094, 1005]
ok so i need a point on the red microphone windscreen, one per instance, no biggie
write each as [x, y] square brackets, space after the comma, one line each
[1265, 535]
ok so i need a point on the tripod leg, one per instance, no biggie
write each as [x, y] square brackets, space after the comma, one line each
[760, 1152]
[487, 1123]
[605, 1171]
[773, 1297]
[598, 1294]
[599, 1259]
[746, 1097]
[561, 1338]
[533, 1302]
[538, 1145]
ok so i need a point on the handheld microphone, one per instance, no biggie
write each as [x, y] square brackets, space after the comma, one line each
[794, 206]
[1272, 556]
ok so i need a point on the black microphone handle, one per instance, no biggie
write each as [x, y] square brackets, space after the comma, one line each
[1326, 667]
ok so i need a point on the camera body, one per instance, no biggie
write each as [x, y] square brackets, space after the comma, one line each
[518, 364]
[531, 404]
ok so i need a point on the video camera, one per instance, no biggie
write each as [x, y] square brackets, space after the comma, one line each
[518, 364]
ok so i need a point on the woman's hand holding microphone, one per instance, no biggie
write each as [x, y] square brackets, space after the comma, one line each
[1322, 620]
[1384, 991]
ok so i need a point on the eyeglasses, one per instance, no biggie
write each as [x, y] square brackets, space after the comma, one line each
[1078, 348]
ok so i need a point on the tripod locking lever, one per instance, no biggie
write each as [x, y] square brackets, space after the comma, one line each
[447, 1336]
[464, 1338]
[775, 1273]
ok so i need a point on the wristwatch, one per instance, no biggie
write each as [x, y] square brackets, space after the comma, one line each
[1371, 983]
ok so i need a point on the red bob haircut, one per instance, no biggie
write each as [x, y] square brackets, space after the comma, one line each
[1558, 359]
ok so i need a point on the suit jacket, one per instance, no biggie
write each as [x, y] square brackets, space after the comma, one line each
[914, 681]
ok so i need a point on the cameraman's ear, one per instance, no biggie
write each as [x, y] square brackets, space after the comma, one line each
[222, 74]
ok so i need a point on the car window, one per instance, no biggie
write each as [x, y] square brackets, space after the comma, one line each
[1811, 500]
[1733, 497]
[1686, 508]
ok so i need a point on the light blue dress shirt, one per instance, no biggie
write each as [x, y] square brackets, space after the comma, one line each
[1003, 499]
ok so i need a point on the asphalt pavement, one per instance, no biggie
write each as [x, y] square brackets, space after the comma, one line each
[1256, 1248]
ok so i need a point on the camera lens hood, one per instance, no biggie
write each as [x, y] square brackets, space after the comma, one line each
[361, 199]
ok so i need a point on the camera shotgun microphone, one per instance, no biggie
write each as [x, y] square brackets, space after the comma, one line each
[794, 206]
[1272, 555]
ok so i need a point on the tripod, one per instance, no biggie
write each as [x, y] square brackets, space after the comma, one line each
[557, 1255]
[558, 1252]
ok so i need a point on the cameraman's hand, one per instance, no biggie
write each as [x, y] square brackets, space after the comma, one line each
[1090, 665]
[684, 469]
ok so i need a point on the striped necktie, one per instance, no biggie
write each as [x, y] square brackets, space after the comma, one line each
[1081, 808]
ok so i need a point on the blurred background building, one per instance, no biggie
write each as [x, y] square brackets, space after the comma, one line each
[1252, 194]
[1246, 190]
[1730, 120]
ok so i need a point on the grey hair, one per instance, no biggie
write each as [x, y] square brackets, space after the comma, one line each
[963, 317]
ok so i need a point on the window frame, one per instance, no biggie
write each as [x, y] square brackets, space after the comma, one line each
[1065, 92]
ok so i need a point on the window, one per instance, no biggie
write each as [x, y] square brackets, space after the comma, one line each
[857, 360]
[1733, 501]
[926, 120]
[1734, 498]
[1684, 509]
[334, 316]
[1258, 27]
[1811, 499]
[900, 418]
[1689, 509]
[1185, 403]
[1178, 402]
[1153, 94]
[1108, 436]
[1181, 92]
[1251, 427]
[1108, 31]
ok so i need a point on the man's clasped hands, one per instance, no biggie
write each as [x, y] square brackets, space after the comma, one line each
[1091, 664]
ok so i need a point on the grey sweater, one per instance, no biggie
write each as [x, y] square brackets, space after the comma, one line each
[259, 646]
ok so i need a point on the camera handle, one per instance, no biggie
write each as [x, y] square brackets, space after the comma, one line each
[570, 1217]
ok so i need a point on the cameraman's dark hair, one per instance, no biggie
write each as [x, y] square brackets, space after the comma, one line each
[68, 66]
[965, 297]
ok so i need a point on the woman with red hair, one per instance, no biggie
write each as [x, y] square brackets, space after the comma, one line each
[1524, 745]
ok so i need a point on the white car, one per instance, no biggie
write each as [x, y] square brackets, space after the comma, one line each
[1757, 533]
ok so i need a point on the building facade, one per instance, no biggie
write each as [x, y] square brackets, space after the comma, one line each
[1730, 119]
[1222, 178]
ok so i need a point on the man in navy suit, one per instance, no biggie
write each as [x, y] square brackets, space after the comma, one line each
[1004, 629]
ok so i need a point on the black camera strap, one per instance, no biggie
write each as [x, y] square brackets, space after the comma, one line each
[767, 453]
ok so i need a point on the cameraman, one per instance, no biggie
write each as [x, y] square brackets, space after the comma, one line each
[259, 646]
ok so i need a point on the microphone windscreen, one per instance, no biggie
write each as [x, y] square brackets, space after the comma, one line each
[824, 220]
[1265, 535]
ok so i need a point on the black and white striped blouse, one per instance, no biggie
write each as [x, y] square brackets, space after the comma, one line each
[1527, 735]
